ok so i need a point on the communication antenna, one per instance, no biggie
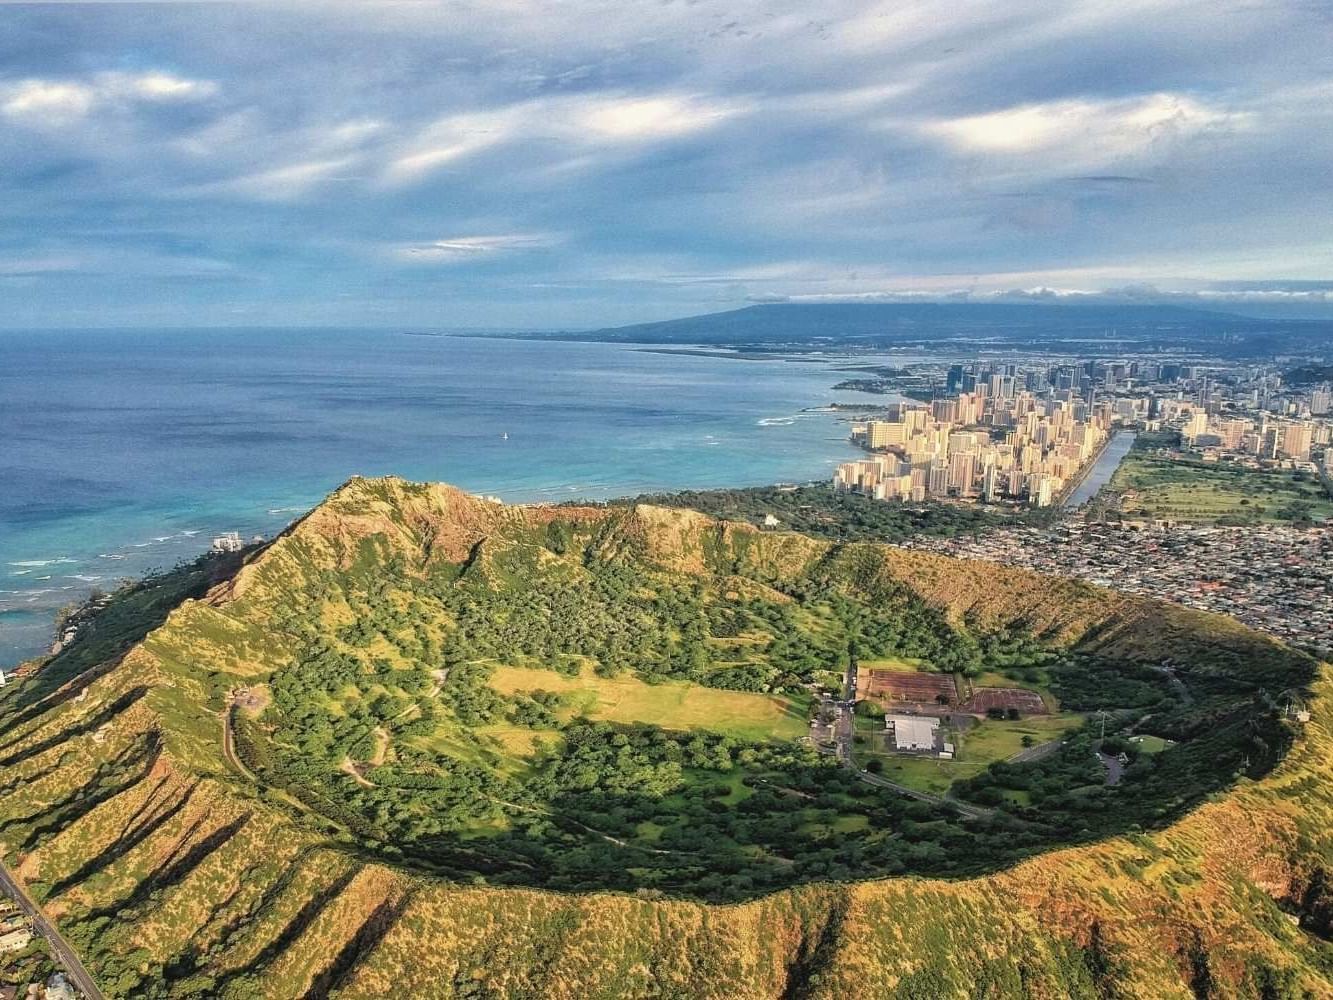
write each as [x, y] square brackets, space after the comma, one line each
[1103, 714]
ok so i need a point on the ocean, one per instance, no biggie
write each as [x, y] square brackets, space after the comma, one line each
[126, 451]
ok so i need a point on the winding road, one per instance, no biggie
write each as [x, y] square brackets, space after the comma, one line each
[60, 948]
[229, 745]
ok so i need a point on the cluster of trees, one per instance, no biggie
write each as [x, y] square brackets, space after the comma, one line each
[699, 813]
[1219, 706]
[823, 512]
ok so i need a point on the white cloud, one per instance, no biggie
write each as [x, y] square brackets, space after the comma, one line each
[1084, 130]
[452, 138]
[579, 124]
[159, 86]
[284, 183]
[643, 118]
[458, 249]
[60, 102]
[46, 102]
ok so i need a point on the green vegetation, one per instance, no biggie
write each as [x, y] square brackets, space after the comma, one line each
[823, 512]
[1310, 374]
[1155, 482]
[33, 964]
[676, 705]
[111, 624]
[449, 699]
[561, 689]
[550, 696]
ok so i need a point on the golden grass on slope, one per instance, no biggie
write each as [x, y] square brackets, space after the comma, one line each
[1151, 909]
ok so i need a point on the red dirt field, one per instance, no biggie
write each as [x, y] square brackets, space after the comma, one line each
[898, 685]
[920, 690]
[1027, 702]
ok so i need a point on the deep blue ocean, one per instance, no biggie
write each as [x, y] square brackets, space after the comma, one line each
[122, 452]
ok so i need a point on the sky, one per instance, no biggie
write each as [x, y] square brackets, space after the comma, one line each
[568, 165]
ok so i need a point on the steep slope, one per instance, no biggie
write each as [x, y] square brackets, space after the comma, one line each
[177, 875]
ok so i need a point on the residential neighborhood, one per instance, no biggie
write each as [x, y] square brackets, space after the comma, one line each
[1274, 578]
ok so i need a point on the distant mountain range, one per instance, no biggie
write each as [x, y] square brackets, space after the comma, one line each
[1100, 327]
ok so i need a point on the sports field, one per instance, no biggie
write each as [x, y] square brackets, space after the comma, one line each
[917, 687]
[932, 692]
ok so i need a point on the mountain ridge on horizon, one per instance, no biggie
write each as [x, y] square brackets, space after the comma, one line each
[870, 324]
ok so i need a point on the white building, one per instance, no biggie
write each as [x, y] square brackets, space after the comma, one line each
[15, 940]
[230, 542]
[914, 733]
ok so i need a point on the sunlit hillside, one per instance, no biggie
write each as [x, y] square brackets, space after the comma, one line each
[428, 743]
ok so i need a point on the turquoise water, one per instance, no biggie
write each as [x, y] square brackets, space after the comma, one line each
[126, 451]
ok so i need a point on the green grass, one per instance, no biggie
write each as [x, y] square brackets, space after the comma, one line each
[671, 705]
[996, 679]
[1151, 744]
[990, 740]
[1160, 486]
[904, 665]
[927, 774]
[996, 739]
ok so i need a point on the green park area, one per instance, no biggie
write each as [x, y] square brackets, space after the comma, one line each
[677, 705]
[1164, 486]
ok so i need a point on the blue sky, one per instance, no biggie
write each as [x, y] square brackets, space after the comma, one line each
[559, 165]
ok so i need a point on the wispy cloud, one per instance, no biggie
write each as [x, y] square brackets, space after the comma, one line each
[1074, 133]
[572, 124]
[591, 162]
[461, 249]
[54, 102]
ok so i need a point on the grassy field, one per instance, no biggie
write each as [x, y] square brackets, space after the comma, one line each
[998, 740]
[989, 741]
[1151, 744]
[671, 705]
[905, 665]
[1182, 489]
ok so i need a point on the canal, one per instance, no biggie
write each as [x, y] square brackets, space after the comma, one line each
[1102, 470]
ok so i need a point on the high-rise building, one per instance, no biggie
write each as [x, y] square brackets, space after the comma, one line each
[1296, 441]
[990, 483]
[937, 478]
[962, 472]
[884, 434]
[1321, 401]
[1196, 425]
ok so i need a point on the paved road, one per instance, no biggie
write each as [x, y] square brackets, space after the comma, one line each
[1114, 769]
[844, 735]
[971, 812]
[229, 745]
[60, 948]
[1040, 752]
